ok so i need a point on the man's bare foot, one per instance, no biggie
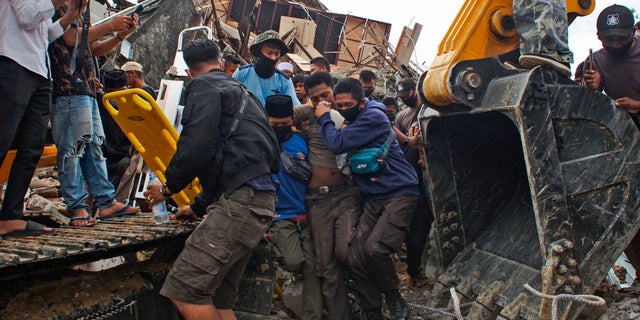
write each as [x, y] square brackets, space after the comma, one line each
[119, 208]
[81, 218]
[8, 226]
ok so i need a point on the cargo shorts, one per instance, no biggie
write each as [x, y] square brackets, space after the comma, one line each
[209, 268]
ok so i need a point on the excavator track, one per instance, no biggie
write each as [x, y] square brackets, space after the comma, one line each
[68, 246]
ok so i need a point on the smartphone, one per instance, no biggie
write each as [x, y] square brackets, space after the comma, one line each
[138, 10]
[589, 64]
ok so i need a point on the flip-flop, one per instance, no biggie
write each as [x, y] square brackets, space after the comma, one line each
[120, 213]
[31, 229]
[85, 218]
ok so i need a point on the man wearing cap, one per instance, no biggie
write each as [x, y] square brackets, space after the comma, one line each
[290, 234]
[615, 70]
[404, 128]
[135, 77]
[262, 77]
[617, 65]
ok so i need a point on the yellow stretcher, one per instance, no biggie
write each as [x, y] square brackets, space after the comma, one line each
[149, 131]
[48, 158]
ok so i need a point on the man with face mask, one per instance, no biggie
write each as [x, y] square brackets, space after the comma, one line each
[333, 202]
[390, 196]
[290, 234]
[404, 125]
[407, 92]
[616, 66]
[368, 80]
[615, 70]
[262, 77]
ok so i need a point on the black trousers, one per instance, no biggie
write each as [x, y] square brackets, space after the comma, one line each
[380, 232]
[417, 236]
[25, 98]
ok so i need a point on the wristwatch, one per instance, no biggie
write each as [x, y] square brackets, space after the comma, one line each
[163, 190]
[406, 140]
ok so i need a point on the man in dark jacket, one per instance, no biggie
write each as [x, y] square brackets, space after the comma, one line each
[390, 196]
[203, 281]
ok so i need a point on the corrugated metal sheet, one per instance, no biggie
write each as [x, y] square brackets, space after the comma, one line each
[70, 245]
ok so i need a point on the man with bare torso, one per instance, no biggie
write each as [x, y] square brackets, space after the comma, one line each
[333, 202]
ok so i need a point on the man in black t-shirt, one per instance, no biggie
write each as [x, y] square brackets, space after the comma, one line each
[135, 77]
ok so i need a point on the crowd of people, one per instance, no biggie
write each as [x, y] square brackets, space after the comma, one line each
[330, 172]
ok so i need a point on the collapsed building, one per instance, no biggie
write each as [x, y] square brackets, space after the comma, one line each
[349, 42]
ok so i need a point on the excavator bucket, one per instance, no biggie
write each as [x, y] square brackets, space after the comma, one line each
[533, 182]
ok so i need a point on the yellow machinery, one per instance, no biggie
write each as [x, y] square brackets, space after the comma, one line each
[533, 179]
[149, 131]
[48, 158]
[482, 28]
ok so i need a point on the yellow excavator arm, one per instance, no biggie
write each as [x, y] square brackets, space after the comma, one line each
[482, 28]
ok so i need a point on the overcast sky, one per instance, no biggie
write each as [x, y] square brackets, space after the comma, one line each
[437, 19]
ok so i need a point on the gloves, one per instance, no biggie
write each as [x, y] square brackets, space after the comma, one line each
[172, 72]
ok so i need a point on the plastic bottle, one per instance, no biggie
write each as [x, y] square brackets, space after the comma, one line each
[159, 209]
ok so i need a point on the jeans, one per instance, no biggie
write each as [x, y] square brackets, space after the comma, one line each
[78, 134]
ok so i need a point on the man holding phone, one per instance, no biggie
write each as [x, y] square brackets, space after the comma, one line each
[614, 68]
[76, 125]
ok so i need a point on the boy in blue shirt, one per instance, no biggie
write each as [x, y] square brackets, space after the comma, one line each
[290, 235]
[390, 196]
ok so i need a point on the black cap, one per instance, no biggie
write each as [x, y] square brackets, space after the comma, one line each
[279, 106]
[114, 79]
[615, 20]
[404, 85]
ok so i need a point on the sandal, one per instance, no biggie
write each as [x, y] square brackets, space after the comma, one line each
[85, 218]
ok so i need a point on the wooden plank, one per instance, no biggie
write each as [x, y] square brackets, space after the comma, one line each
[305, 29]
[358, 45]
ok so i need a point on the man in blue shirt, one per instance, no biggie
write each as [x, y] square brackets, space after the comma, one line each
[390, 196]
[262, 77]
[290, 235]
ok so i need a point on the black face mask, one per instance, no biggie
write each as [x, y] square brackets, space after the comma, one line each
[619, 52]
[411, 102]
[282, 132]
[367, 93]
[350, 114]
[392, 117]
[264, 66]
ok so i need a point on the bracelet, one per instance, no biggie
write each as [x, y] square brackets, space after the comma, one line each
[406, 140]
[118, 37]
